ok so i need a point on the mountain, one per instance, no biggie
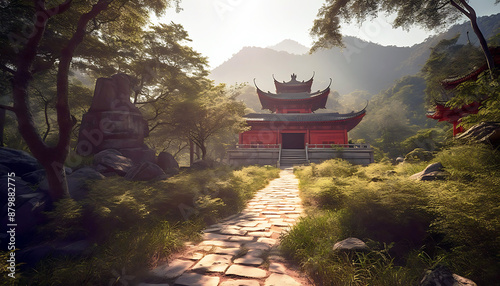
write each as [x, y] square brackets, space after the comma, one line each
[360, 65]
[291, 47]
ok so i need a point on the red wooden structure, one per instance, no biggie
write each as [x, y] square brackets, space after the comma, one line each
[293, 123]
[454, 115]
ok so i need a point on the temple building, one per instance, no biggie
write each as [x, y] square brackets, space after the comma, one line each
[294, 132]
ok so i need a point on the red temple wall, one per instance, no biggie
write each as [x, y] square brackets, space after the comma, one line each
[268, 136]
[328, 137]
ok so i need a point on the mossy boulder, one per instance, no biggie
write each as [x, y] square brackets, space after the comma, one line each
[418, 154]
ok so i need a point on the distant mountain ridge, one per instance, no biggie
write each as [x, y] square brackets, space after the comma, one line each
[291, 47]
[360, 66]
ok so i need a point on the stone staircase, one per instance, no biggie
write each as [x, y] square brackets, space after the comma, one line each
[291, 157]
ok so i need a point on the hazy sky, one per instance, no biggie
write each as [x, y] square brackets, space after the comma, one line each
[220, 28]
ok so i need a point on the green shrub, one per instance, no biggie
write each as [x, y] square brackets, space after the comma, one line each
[452, 222]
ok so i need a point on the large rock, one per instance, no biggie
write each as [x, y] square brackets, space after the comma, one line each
[168, 163]
[484, 132]
[18, 161]
[442, 276]
[112, 161]
[146, 171]
[79, 180]
[350, 244]
[432, 172]
[113, 122]
[138, 155]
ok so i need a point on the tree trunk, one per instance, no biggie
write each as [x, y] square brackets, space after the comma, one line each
[51, 158]
[203, 149]
[471, 14]
[483, 43]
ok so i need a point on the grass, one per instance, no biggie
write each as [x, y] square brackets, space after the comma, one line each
[410, 226]
[133, 226]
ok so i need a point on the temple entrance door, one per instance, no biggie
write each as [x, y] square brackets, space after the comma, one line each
[292, 140]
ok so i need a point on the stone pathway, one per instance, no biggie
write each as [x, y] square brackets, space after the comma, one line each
[242, 249]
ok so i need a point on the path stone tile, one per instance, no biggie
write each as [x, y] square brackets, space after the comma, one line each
[277, 268]
[255, 253]
[261, 233]
[249, 260]
[239, 283]
[257, 245]
[255, 228]
[242, 238]
[215, 236]
[246, 271]
[173, 269]
[213, 263]
[194, 279]
[227, 251]
[280, 279]
[220, 243]
[268, 241]
[233, 231]
[248, 224]
[193, 256]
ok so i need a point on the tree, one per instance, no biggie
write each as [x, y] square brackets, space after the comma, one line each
[430, 14]
[29, 57]
[208, 115]
[448, 59]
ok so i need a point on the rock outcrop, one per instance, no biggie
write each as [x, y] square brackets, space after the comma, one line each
[113, 122]
[484, 132]
[432, 172]
[350, 244]
[442, 276]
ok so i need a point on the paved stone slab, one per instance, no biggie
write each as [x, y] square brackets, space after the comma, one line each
[194, 279]
[257, 245]
[268, 241]
[220, 243]
[249, 260]
[277, 268]
[213, 263]
[246, 271]
[255, 253]
[242, 238]
[173, 269]
[261, 233]
[233, 231]
[280, 279]
[215, 236]
[240, 283]
[227, 251]
[193, 256]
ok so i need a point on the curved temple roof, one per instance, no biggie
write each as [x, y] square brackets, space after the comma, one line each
[451, 83]
[272, 101]
[293, 85]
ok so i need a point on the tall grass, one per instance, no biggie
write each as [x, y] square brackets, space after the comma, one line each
[454, 222]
